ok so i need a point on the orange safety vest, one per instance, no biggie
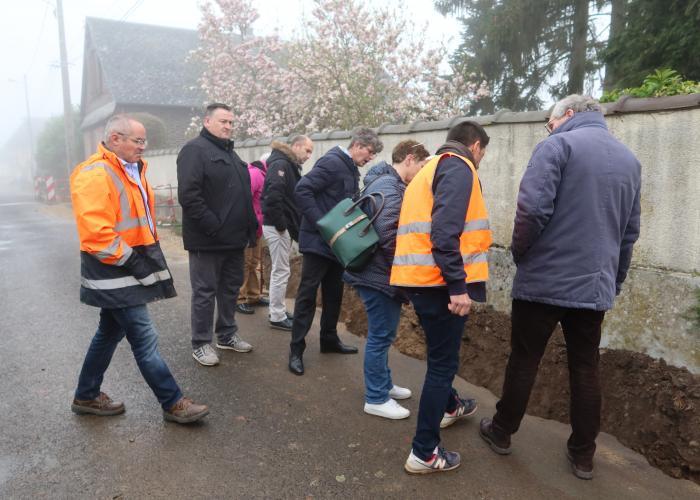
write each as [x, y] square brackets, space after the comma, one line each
[414, 265]
[112, 223]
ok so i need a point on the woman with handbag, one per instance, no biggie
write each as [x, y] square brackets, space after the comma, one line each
[382, 301]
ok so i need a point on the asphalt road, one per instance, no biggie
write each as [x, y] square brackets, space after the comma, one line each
[270, 434]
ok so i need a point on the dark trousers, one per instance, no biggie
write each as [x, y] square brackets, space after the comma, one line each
[532, 326]
[216, 278]
[443, 335]
[315, 271]
[135, 324]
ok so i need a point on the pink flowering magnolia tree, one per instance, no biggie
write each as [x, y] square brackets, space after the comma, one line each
[350, 65]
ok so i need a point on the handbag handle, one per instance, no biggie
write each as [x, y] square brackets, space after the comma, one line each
[362, 198]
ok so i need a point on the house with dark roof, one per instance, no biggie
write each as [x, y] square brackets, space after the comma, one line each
[141, 69]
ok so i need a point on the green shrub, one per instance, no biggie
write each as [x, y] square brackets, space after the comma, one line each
[662, 82]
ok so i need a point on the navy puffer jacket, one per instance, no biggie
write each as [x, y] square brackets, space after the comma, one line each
[382, 178]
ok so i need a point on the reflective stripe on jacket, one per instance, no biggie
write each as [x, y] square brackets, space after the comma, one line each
[414, 264]
[116, 242]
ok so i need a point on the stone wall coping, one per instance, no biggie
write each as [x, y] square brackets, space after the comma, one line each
[625, 104]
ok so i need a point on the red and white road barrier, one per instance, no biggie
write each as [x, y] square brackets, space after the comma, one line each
[50, 189]
[37, 187]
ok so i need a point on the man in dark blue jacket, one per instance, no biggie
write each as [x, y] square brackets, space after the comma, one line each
[576, 222]
[335, 176]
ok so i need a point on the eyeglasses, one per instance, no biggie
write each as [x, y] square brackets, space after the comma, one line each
[549, 126]
[140, 142]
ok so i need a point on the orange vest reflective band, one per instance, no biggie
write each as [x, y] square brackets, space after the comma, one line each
[414, 265]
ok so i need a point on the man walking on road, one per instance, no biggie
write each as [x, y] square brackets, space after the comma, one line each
[281, 219]
[218, 223]
[122, 269]
[441, 259]
[576, 222]
[334, 177]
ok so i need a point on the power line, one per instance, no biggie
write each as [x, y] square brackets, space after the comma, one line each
[38, 41]
[131, 10]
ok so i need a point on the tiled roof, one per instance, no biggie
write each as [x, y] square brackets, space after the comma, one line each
[146, 64]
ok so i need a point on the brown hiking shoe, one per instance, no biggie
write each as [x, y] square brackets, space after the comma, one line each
[102, 405]
[185, 411]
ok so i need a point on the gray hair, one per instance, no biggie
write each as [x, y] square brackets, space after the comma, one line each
[366, 137]
[298, 138]
[577, 103]
[119, 124]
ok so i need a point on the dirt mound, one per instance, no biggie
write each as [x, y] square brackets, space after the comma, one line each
[648, 405]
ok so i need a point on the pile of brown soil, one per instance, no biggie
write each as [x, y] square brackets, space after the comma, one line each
[648, 405]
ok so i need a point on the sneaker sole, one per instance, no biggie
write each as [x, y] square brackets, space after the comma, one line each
[586, 476]
[448, 423]
[426, 470]
[399, 397]
[280, 328]
[81, 410]
[185, 420]
[229, 348]
[371, 412]
[497, 449]
[204, 363]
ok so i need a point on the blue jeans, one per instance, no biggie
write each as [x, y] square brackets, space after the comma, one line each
[443, 335]
[383, 314]
[135, 323]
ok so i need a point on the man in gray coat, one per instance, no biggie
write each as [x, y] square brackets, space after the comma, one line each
[576, 222]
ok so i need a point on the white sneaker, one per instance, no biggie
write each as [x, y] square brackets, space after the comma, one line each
[235, 343]
[205, 355]
[397, 392]
[391, 409]
[441, 461]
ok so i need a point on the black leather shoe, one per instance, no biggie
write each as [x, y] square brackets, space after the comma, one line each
[245, 309]
[296, 364]
[263, 301]
[338, 347]
[290, 317]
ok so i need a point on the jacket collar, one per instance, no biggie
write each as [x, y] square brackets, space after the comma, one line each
[286, 151]
[225, 144]
[456, 148]
[582, 119]
[112, 158]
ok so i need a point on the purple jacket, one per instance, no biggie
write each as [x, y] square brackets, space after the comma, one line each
[577, 217]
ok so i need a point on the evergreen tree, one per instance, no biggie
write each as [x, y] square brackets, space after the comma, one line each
[655, 34]
[527, 48]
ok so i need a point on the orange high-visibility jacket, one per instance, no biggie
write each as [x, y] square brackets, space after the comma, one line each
[414, 265]
[121, 261]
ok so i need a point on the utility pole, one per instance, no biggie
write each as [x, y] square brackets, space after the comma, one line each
[32, 168]
[67, 107]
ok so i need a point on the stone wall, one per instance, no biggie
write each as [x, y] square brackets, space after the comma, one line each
[651, 313]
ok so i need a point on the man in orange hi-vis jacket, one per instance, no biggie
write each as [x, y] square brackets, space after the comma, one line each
[122, 269]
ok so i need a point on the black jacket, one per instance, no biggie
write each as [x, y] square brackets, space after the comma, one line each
[333, 177]
[279, 207]
[214, 192]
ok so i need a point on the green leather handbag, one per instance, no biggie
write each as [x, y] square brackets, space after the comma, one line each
[349, 232]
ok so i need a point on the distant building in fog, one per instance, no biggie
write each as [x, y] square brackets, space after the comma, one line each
[139, 68]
